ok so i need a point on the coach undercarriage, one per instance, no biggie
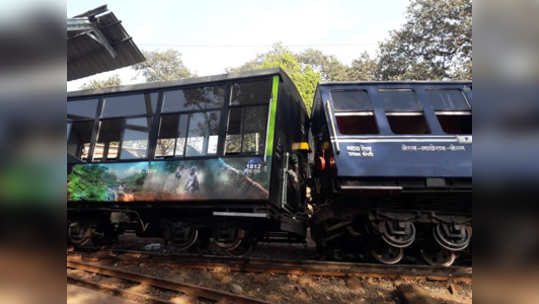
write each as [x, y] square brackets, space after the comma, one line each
[389, 227]
[232, 231]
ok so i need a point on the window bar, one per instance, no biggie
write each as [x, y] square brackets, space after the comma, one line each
[95, 128]
[186, 142]
[334, 131]
[175, 136]
[242, 126]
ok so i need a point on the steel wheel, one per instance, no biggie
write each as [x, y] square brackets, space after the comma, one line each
[440, 257]
[239, 243]
[386, 254]
[79, 234]
[245, 247]
[181, 237]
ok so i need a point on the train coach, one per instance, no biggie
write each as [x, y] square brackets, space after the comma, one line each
[215, 160]
[392, 169]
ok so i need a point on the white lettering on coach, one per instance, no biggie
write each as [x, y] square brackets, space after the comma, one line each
[360, 151]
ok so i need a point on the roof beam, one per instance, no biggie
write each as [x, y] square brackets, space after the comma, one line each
[87, 27]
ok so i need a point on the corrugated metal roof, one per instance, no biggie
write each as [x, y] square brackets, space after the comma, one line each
[87, 56]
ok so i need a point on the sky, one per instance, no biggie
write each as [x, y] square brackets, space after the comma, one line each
[215, 35]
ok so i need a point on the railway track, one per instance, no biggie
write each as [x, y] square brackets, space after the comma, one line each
[257, 265]
[202, 294]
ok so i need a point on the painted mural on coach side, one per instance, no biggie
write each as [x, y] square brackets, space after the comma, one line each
[177, 180]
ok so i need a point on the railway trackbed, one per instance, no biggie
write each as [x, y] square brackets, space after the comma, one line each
[258, 265]
[129, 291]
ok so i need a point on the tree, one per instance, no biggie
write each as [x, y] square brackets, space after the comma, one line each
[160, 66]
[303, 76]
[434, 43]
[329, 67]
[363, 68]
[112, 81]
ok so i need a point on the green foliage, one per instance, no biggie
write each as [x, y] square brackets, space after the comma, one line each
[112, 81]
[435, 43]
[89, 183]
[303, 76]
[329, 67]
[363, 68]
[159, 66]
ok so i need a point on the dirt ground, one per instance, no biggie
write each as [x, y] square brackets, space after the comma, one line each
[292, 288]
[80, 295]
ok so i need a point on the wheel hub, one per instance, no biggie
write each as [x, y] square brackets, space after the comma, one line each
[400, 234]
[453, 237]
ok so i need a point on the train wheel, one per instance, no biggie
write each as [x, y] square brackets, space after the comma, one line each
[104, 235]
[245, 247]
[79, 233]
[234, 241]
[438, 257]
[397, 234]
[386, 254]
[180, 236]
[451, 236]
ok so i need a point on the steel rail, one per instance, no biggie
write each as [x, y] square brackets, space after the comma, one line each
[187, 289]
[313, 267]
[116, 291]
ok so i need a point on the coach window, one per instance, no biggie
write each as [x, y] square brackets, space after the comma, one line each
[124, 105]
[403, 110]
[123, 138]
[452, 110]
[193, 99]
[247, 117]
[80, 134]
[354, 112]
[171, 135]
[81, 115]
[203, 133]
[190, 126]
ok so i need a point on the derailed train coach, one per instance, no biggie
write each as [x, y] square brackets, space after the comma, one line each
[393, 169]
[220, 159]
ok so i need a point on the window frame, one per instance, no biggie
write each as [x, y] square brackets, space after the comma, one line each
[174, 155]
[155, 116]
[450, 112]
[120, 142]
[371, 107]
[229, 107]
[150, 116]
[189, 115]
[159, 113]
[80, 146]
[460, 90]
[369, 111]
